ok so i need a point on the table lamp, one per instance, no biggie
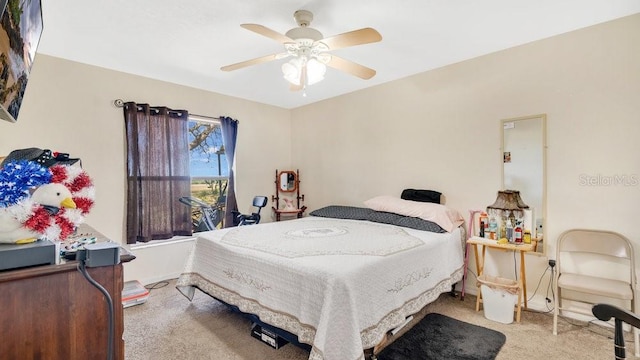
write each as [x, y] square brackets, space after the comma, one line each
[508, 204]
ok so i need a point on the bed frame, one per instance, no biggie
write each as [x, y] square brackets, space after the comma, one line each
[369, 354]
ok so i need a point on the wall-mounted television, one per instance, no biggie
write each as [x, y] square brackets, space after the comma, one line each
[20, 30]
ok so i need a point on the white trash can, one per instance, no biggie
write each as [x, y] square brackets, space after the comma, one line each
[499, 297]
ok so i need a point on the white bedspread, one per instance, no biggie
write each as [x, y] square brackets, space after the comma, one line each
[339, 285]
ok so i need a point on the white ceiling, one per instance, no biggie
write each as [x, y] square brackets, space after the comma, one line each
[186, 42]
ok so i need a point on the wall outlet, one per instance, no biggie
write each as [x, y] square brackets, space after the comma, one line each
[539, 229]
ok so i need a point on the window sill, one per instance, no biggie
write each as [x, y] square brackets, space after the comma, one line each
[154, 243]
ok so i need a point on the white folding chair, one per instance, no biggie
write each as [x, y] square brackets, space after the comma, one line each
[580, 256]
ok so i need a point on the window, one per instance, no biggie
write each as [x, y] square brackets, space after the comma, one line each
[176, 157]
[209, 173]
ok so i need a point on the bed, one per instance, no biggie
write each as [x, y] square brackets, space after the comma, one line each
[339, 280]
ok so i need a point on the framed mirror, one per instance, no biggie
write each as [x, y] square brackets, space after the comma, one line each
[524, 144]
[287, 181]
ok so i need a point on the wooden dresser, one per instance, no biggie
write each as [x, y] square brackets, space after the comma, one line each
[52, 312]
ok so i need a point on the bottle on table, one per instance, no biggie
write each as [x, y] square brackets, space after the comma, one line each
[509, 230]
[517, 233]
[484, 224]
[493, 228]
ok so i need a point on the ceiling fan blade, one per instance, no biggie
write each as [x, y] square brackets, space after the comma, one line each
[352, 38]
[255, 61]
[265, 31]
[350, 67]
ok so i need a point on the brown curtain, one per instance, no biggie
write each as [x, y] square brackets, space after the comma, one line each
[157, 172]
[229, 129]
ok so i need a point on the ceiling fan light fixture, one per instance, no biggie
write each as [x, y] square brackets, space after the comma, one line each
[315, 71]
[292, 71]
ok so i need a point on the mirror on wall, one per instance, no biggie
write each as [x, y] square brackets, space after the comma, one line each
[287, 181]
[524, 166]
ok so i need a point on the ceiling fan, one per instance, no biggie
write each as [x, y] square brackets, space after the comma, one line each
[309, 51]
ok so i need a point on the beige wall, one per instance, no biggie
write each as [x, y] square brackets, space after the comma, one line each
[69, 107]
[441, 130]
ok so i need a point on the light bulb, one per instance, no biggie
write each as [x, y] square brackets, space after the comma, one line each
[291, 71]
[315, 71]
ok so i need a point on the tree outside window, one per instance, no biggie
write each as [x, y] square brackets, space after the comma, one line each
[208, 168]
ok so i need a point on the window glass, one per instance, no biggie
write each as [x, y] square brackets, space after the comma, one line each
[209, 173]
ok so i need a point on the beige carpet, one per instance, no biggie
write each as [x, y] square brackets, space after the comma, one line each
[169, 327]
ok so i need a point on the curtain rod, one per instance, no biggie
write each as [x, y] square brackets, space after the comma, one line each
[120, 103]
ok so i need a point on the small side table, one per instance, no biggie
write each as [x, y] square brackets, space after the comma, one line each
[297, 212]
[493, 244]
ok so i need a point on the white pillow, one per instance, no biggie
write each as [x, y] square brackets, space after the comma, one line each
[447, 218]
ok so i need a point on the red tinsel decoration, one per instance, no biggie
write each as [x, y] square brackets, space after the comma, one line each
[39, 221]
[66, 226]
[83, 204]
[81, 181]
[59, 174]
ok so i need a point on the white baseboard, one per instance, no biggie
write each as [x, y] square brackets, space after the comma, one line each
[158, 261]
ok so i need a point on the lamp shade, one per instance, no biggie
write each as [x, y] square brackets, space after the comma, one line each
[521, 203]
[292, 71]
[508, 200]
[315, 71]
